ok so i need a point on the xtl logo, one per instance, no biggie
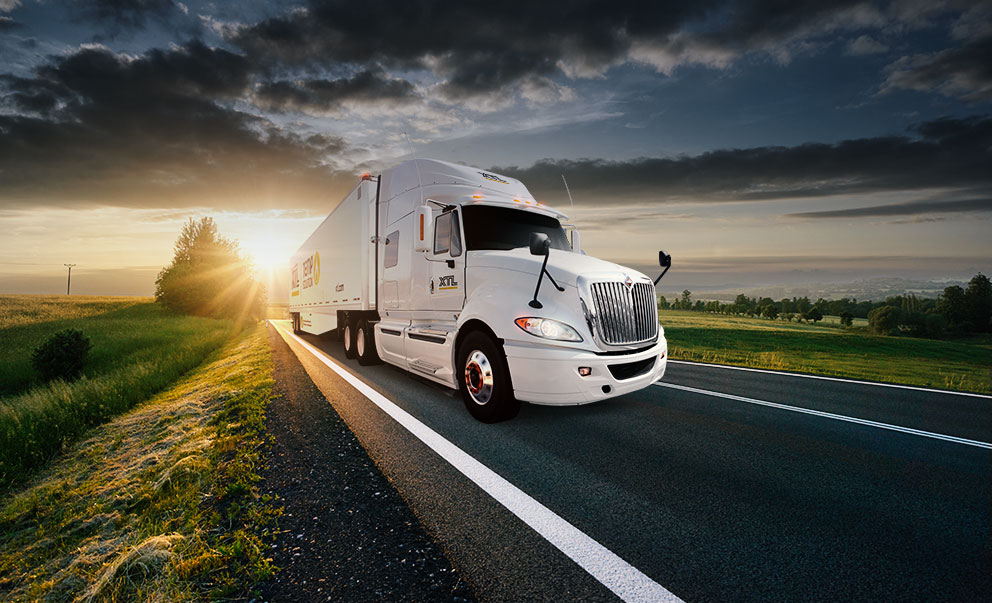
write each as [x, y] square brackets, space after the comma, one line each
[447, 282]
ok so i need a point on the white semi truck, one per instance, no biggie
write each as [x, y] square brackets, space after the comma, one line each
[460, 276]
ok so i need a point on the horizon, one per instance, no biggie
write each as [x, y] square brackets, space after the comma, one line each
[805, 147]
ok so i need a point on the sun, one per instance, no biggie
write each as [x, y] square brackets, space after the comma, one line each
[267, 253]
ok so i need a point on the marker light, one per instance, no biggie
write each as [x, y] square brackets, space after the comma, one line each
[548, 329]
[366, 176]
[476, 196]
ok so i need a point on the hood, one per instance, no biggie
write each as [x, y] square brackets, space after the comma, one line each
[564, 266]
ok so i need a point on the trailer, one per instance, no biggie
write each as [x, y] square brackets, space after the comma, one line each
[460, 276]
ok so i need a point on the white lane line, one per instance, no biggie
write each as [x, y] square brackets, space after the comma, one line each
[625, 580]
[786, 374]
[828, 415]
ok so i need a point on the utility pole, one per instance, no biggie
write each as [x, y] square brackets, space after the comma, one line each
[68, 280]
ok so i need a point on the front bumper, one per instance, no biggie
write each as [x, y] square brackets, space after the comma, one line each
[545, 374]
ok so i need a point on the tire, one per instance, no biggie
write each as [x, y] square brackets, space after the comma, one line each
[484, 379]
[348, 337]
[296, 323]
[365, 344]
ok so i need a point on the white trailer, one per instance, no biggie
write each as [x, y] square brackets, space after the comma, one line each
[461, 276]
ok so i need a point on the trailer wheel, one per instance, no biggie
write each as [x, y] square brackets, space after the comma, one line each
[365, 344]
[348, 337]
[484, 380]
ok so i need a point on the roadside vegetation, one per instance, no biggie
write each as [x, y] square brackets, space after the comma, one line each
[138, 348]
[159, 504]
[957, 312]
[828, 349]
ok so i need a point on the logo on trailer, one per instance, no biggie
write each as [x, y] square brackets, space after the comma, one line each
[493, 177]
[311, 270]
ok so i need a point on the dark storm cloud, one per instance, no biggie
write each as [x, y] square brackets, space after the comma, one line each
[910, 208]
[482, 47]
[964, 72]
[945, 153]
[124, 15]
[7, 23]
[100, 128]
[327, 96]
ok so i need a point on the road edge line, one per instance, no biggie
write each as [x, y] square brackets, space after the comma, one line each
[830, 415]
[623, 579]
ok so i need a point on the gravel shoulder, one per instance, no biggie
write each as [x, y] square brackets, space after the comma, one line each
[345, 534]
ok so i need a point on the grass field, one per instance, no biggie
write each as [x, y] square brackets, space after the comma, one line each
[158, 504]
[828, 350]
[138, 349]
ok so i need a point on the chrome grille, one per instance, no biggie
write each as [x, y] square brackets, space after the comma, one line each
[625, 314]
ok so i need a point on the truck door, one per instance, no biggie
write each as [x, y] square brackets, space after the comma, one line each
[447, 268]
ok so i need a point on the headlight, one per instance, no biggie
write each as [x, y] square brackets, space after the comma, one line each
[548, 329]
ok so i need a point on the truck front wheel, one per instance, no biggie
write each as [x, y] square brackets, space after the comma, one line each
[365, 344]
[348, 337]
[484, 380]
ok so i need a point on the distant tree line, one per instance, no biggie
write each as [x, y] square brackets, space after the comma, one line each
[956, 311]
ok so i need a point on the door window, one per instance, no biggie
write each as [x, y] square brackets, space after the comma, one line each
[447, 235]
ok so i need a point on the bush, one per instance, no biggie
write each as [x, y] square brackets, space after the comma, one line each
[883, 320]
[62, 356]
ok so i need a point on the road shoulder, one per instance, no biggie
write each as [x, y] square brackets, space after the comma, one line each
[345, 532]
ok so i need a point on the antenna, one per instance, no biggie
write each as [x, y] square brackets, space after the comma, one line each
[570, 203]
[416, 165]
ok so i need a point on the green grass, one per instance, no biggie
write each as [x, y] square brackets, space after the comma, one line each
[158, 504]
[828, 350]
[138, 349]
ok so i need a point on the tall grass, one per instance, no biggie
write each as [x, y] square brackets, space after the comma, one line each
[138, 350]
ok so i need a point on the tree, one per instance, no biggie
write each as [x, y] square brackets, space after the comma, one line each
[952, 305]
[209, 276]
[686, 300]
[978, 303]
[883, 320]
[662, 303]
[846, 318]
[769, 311]
[813, 314]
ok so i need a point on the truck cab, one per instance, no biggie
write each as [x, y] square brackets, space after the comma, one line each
[478, 287]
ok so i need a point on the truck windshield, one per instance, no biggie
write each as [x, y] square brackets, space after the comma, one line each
[489, 227]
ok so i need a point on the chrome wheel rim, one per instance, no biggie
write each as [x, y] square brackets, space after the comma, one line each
[360, 342]
[347, 338]
[479, 377]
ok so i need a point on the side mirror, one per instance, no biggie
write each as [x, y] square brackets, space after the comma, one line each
[540, 244]
[665, 261]
[423, 228]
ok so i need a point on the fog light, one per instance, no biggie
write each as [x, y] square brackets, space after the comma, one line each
[585, 371]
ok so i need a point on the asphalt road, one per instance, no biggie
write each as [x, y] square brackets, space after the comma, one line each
[715, 499]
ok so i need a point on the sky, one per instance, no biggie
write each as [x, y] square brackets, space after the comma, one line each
[759, 143]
